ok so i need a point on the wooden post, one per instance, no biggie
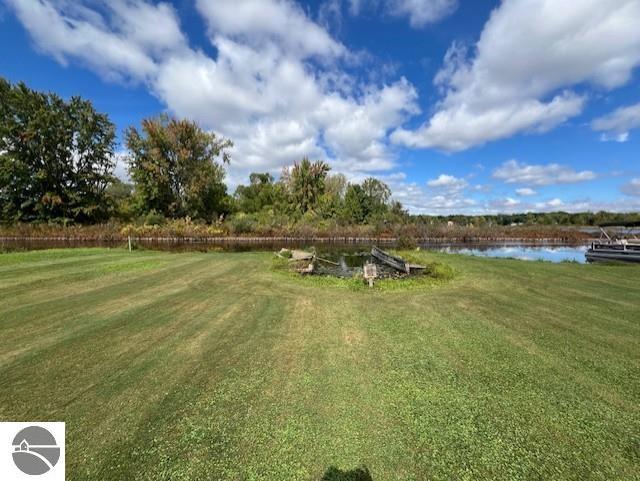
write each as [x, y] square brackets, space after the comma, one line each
[129, 243]
[370, 273]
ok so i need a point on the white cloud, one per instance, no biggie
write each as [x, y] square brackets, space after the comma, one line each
[514, 172]
[554, 203]
[277, 86]
[620, 138]
[422, 12]
[616, 125]
[121, 168]
[330, 15]
[277, 106]
[282, 22]
[508, 205]
[632, 187]
[417, 201]
[122, 42]
[440, 196]
[282, 89]
[448, 183]
[504, 205]
[525, 191]
[419, 12]
[528, 56]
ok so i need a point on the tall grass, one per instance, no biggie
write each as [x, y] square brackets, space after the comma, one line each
[251, 226]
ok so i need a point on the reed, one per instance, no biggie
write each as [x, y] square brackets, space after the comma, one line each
[185, 229]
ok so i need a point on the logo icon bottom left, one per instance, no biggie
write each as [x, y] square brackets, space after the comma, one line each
[35, 450]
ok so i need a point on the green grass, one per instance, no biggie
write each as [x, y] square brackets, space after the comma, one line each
[212, 366]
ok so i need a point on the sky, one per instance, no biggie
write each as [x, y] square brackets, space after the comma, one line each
[460, 106]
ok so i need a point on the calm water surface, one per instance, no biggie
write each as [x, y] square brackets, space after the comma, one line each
[527, 253]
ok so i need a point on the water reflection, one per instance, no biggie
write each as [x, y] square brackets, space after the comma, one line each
[527, 253]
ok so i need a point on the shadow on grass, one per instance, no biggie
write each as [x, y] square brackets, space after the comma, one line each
[357, 474]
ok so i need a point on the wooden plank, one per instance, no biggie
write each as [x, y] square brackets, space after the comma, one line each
[393, 261]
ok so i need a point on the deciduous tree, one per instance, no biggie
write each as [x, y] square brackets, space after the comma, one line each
[56, 157]
[177, 168]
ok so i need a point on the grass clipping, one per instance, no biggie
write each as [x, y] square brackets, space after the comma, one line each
[434, 274]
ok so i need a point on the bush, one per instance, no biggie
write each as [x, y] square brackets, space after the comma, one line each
[154, 218]
[242, 224]
[406, 242]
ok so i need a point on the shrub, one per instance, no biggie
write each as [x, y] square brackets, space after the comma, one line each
[242, 224]
[154, 218]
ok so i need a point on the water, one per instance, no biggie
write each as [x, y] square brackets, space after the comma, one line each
[347, 264]
[220, 244]
[351, 253]
[526, 253]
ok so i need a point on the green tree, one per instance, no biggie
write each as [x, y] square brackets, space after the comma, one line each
[336, 186]
[120, 195]
[177, 168]
[376, 198]
[331, 202]
[354, 204]
[306, 183]
[261, 193]
[56, 157]
[398, 212]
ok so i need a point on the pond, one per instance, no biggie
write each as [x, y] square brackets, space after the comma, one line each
[348, 264]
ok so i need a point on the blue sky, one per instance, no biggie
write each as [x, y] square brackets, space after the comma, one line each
[460, 106]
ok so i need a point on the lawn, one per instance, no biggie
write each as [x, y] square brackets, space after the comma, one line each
[197, 366]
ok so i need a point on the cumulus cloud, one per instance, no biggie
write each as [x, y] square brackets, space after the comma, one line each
[616, 125]
[449, 183]
[525, 192]
[510, 206]
[632, 187]
[419, 12]
[514, 172]
[519, 78]
[443, 195]
[281, 86]
[504, 205]
[418, 201]
[282, 22]
[124, 40]
[278, 85]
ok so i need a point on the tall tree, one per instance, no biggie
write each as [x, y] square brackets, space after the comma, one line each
[336, 186]
[56, 156]
[354, 204]
[376, 197]
[307, 183]
[331, 202]
[177, 168]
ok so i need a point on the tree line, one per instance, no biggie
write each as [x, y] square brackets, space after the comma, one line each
[532, 218]
[57, 161]
[57, 165]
